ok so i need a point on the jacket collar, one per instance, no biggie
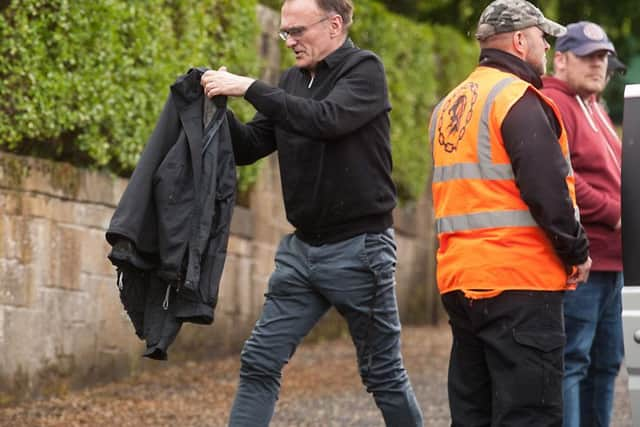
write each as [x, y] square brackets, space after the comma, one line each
[338, 55]
[505, 61]
[188, 97]
[551, 82]
[334, 58]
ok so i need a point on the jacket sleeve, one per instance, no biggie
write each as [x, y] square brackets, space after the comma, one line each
[596, 206]
[530, 133]
[251, 141]
[357, 97]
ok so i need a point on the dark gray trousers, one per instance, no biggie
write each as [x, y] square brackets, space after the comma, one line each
[356, 276]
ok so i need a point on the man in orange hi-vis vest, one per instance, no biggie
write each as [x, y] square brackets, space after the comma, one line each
[510, 240]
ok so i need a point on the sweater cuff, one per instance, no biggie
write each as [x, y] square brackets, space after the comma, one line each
[580, 251]
[259, 94]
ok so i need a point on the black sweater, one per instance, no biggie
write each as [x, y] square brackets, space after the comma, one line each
[332, 137]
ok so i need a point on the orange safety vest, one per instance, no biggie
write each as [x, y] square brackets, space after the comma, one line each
[488, 239]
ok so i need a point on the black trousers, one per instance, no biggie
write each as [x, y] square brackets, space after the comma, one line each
[506, 360]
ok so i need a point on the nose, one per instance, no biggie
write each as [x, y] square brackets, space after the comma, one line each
[291, 42]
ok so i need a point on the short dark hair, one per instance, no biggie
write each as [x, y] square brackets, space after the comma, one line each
[344, 8]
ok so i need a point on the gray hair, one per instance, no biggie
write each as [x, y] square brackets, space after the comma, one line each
[344, 8]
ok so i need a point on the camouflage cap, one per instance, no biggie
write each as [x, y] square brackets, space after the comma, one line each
[505, 16]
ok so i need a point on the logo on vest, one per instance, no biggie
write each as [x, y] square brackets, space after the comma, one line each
[457, 113]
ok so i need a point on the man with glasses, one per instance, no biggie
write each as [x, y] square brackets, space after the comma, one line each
[328, 119]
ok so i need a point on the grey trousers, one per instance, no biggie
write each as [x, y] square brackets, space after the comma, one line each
[356, 276]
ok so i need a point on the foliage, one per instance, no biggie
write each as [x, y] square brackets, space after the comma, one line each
[463, 14]
[619, 22]
[273, 4]
[85, 81]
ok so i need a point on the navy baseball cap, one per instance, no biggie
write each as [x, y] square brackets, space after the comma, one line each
[583, 38]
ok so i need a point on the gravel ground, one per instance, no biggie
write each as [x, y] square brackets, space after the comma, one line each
[321, 388]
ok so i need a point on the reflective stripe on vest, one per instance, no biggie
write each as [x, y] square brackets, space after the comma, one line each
[483, 169]
[475, 221]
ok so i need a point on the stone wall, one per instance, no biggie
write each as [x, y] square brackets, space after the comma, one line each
[61, 322]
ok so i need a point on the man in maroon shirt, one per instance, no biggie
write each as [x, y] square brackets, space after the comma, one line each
[593, 322]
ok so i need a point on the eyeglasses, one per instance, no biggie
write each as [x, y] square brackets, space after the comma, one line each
[297, 32]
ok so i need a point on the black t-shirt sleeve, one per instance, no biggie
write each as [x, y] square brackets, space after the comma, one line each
[530, 132]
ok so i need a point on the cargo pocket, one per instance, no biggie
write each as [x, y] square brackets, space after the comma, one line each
[542, 369]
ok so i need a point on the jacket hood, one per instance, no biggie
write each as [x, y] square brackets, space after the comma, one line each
[550, 82]
[553, 83]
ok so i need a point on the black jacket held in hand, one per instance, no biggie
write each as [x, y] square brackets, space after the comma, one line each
[170, 230]
[332, 137]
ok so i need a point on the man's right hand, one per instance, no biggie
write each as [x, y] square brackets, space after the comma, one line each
[222, 82]
[580, 272]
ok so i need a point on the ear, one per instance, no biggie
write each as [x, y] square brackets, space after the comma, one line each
[559, 62]
[335, 26]
[519, 41]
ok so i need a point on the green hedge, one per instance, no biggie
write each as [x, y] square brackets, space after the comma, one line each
[84, 81]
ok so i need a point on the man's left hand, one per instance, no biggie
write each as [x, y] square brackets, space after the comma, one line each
[222, 82]
[580, 273]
